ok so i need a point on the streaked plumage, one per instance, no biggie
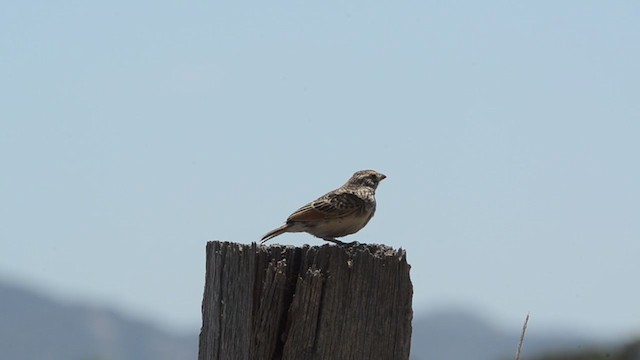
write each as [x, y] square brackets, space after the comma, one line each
[338, 213]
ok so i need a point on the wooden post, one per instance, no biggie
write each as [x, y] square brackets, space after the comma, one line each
[291, 303]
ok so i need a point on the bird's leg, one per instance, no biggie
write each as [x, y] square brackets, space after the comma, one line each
[340, 243]
[335, 241]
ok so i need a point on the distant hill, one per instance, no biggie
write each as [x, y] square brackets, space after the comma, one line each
[33, 326]
[460, 335]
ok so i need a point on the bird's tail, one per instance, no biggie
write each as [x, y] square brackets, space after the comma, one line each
[275, 232]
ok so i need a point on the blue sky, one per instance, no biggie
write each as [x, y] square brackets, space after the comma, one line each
[132, 133]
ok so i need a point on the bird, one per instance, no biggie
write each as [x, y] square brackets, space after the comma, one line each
[343, 211]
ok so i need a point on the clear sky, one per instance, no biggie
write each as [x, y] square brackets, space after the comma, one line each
[133, 132]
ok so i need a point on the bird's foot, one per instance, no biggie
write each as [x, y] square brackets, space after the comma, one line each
[340, 243]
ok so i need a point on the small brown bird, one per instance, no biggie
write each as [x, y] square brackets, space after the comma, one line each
[338, 213]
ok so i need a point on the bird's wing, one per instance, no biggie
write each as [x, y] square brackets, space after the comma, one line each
[330, 206]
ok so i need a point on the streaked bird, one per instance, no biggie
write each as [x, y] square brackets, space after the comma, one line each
[343, 211]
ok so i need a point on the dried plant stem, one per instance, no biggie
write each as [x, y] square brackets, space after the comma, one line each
[524, 330]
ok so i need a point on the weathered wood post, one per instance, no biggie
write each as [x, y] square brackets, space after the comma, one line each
[291, 303]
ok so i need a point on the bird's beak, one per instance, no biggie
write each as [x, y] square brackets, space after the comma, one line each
[382, 177]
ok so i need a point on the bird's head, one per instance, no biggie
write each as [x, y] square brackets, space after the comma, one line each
[368, 178]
